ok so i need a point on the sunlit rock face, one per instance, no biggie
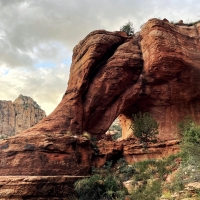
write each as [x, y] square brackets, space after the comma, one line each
[19, 115]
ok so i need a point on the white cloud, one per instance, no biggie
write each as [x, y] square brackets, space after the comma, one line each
[44, 85]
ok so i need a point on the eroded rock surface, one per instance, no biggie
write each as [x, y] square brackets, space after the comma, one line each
[45, 154]
[19, 115]
[37, 187]
[156, 71]
[103, 80]
[133, 151]
[171, 74]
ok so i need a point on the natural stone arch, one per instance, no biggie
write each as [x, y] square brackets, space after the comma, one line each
[111, 74]
[155, 71]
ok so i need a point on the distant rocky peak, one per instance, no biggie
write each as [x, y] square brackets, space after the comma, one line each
[19, 115]
[26, 101]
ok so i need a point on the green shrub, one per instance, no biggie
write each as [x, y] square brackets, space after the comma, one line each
[190, 143]
[144, 127]
[126, 171]
[116, 127]
[2, 137]
[128, 28]
[151, 174]
[116, 136]
[89, 188]
[189, 170]
[98, 187]
[108, 165]
[107, 182]
[191, 133]
[150, 191]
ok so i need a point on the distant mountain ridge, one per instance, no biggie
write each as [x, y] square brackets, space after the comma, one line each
[19, 115]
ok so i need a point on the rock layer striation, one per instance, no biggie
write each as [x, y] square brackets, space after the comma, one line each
[45, 155]
[19, 115]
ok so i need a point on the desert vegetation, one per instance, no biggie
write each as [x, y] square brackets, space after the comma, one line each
[116, 131]
[128, 28]
[145, 127]
[149, 179]
[188, 23]
[2, 137]
[145, 178]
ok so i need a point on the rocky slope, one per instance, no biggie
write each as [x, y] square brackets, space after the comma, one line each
[19, 115]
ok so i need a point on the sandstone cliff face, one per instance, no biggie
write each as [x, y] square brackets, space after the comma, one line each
[19, 115]
[112, 74]
[156, 71]
[103, 80]
[171, 74]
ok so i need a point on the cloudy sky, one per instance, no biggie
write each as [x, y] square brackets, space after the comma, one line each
[37, 38]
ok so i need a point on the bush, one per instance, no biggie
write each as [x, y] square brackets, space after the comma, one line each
[149, 192]
[190, 150]
[125, 170]
[128, 28]
[190, 143]
[116, 136]
[190, 131]
[2, 137]
[144, 126]
[97, 187]
[89, 188]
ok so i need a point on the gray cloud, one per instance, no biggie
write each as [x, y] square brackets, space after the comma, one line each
[39, 32]
[45, 85]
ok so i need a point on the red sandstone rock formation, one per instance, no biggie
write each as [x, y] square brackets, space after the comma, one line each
[103, 76]
[133, 151]
[19, 115]
[156, 71]
[45, 154]
[171, 74]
